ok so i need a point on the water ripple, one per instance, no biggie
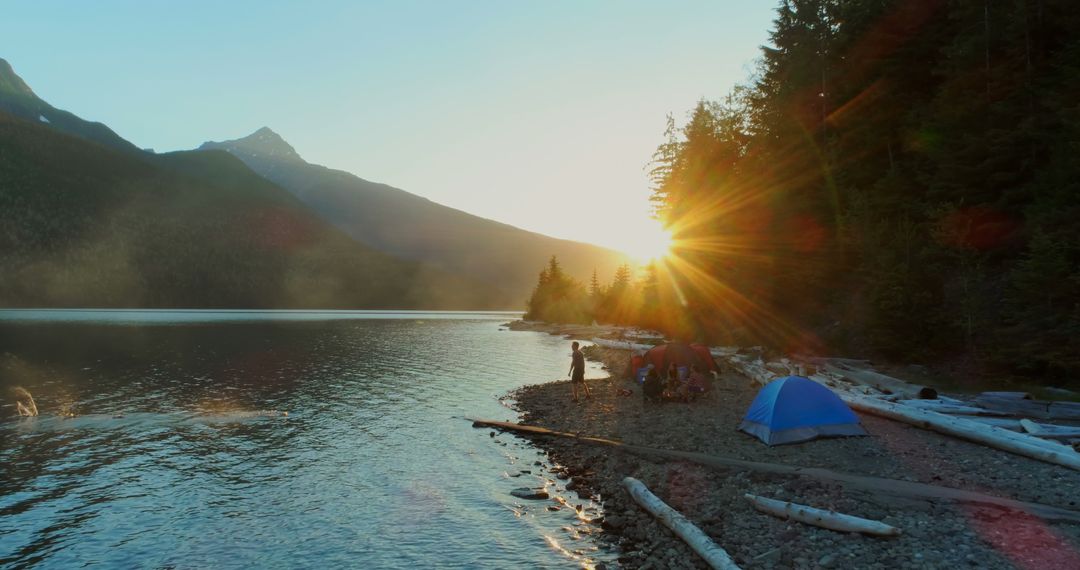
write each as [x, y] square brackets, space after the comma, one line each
[179, 452]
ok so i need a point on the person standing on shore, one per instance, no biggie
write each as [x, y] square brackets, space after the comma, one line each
[577, 372]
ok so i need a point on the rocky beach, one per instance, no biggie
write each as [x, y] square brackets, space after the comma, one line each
[934, 534]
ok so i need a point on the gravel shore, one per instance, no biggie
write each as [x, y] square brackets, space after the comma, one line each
[935, 534]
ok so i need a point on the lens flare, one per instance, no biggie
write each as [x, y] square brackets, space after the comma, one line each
[650, 242]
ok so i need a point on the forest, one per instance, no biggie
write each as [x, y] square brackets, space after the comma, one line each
[896, 179]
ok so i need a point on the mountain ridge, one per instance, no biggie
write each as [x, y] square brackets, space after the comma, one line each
[498, 259]
[403, 224]
[188, 229]
[18, 99]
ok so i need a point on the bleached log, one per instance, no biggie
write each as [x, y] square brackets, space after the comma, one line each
[754, 369]
[943, 407]
[713, 554]
[639, 333]
[882, 382]
[1065, 411]
[1012, 404]
[780, 368]
[1008, 395]
[1021, 404]
[621, 344]
[858, 362]
[1020, 444]
[877, 485]
[820, 517]
[1002, 423]
[1050, 432]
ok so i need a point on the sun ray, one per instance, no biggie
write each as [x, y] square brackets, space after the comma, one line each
[650, 242]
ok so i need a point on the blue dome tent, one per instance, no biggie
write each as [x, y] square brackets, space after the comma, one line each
[794, 409]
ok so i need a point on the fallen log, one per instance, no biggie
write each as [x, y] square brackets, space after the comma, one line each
[1003, 423]
[779, 368]
[1008, 395]
[878, 381]
[1050, 432]
[754, 369]
[723, 351]
[639, 333]
[1022, 404]
[1013, 404]
[700, 542]
[856, 362]
[621, 344]
[1065, 411]
[943, 407]
[820, 517]
[878, 485]
[1021, 444]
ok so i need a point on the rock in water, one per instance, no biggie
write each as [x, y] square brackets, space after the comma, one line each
[530, 494]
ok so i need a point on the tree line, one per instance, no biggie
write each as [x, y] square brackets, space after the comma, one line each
[628, 299]
[896, 178]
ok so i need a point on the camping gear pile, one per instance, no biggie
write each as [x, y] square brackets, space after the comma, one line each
[660, 357]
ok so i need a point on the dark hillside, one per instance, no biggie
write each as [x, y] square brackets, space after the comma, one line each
[411, 227]
[16, 98]
[84, 225]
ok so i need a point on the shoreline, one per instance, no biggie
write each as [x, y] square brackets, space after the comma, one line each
[934, 534]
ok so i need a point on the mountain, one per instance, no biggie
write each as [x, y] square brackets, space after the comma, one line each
[85, 225]
[88, 219]
[411, 227]
[16, 98]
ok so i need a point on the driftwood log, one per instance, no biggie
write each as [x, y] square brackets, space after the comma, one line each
[1049, 431]
[715, 556]
[876, 485]
[943, 407]
[1023, 405]
[1018, 443]
[1010, 424]
[821, 517]
[881, 382]
[621, 344]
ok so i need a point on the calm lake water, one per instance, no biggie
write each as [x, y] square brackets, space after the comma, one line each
[178, 454]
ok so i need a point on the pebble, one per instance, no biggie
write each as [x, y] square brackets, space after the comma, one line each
[935, 535]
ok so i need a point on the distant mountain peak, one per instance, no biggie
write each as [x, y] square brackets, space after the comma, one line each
[10, 82]
[263, 143]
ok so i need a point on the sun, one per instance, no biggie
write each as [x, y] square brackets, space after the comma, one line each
[649, 242]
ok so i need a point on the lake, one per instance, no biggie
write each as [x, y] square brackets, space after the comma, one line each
[163, 441]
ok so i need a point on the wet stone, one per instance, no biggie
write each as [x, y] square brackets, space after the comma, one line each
[530, 494]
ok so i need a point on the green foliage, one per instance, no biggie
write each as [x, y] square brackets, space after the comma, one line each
[898, 178]
[558, 298]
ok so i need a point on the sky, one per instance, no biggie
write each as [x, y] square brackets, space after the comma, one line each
[539, 114]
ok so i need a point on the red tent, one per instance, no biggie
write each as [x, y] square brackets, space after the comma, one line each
[680, 354]
[703, 352]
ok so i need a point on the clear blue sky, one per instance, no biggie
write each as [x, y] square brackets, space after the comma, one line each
[540, 114]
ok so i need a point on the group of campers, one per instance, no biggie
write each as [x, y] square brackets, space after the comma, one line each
[677, 383]
[674, 387]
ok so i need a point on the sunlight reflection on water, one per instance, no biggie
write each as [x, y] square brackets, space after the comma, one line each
[179, 453]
